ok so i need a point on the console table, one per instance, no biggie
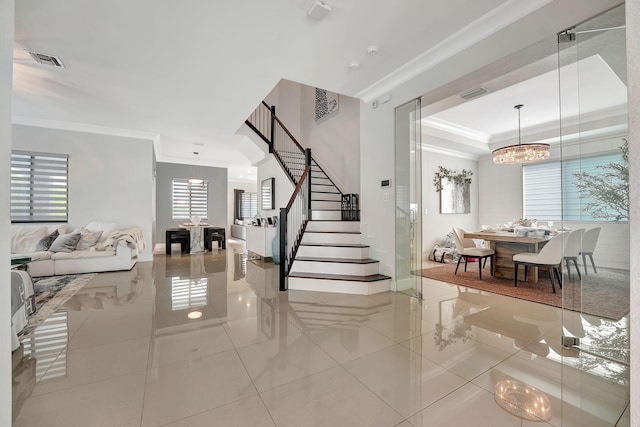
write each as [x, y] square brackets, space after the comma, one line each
[259, 240]
[190, 239]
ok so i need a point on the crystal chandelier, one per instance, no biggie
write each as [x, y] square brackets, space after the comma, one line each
[523, 401]
[520, 153]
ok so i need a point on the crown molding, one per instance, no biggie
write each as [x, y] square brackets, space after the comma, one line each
[88, 128]
[455, 129]
[490, 23]
[449, 152]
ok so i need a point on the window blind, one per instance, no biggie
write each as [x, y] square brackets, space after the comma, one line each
[550, 191]
[189, 199]
[248, 205]
[39, 190]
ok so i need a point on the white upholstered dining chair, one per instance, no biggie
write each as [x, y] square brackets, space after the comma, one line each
[572, 250]
[550, 256]
[466, 249]
[589, 241]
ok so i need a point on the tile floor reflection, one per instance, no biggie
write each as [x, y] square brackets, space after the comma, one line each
[207, 340]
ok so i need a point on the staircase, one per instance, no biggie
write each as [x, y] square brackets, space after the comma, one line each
[323, 248]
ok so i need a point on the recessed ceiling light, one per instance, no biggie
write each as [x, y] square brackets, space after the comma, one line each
[372, 50]
[353, 65]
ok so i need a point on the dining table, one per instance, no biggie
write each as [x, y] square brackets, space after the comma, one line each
[506, 244]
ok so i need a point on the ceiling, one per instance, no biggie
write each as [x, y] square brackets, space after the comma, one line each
[188, 73]
[591, 80]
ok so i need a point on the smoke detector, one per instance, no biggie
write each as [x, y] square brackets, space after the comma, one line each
[41, 58]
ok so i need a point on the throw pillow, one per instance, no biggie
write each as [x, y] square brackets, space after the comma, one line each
[45, 243]
[65, 243]
[105, 227]
[88, 239]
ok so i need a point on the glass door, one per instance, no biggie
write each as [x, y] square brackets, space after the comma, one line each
[594, 171]
[408, 191]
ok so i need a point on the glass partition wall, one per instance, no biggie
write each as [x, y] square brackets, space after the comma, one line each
[594, 175]
[408, 190]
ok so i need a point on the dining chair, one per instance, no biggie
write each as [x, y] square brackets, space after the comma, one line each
[466, 249]
[589, 241]
[572, 249]
[550, 256]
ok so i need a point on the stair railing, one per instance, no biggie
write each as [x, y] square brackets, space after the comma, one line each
[282, 144]
[293, 222]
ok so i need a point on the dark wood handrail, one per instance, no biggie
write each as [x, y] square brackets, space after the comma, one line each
[307, 170]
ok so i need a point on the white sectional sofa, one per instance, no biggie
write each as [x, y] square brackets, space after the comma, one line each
[115, 249]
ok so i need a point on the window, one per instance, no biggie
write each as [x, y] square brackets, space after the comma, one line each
[39, 187]
[189, 199]
[550, 191]
[246, 204]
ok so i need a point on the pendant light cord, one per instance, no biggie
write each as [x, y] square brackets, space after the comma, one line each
[518, 107]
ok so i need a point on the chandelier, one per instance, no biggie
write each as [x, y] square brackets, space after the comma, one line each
[520, 153]
[523, 401]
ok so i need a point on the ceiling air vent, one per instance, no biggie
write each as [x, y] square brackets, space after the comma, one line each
[473, 93]
[41, 58]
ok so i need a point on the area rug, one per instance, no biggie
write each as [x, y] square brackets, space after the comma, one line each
[51, 293]
[606, 293]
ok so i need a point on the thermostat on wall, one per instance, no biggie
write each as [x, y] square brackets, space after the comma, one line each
[385, 183]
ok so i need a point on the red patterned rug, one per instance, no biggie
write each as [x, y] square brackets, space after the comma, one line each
[606, 294]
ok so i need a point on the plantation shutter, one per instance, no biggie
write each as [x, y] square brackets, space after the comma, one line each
[189, 199]
[39, 190]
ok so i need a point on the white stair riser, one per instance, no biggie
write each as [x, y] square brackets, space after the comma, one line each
[326, 215]
[333, 252]
[311, 237]
[326, 196]
[339, 286]
[317, 205]
[335, 268]
[333, 226]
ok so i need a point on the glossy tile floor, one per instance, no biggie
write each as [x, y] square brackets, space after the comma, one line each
[206, 340]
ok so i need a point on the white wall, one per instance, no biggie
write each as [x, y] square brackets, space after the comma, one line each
[435, 225]
[633, 83]
[335, 142]
[110, 177]
[270, 168]
[236, 185]
[500, 192]
[6, 69]
[216, 197]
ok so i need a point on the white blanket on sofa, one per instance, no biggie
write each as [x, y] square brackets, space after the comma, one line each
[131, 238]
